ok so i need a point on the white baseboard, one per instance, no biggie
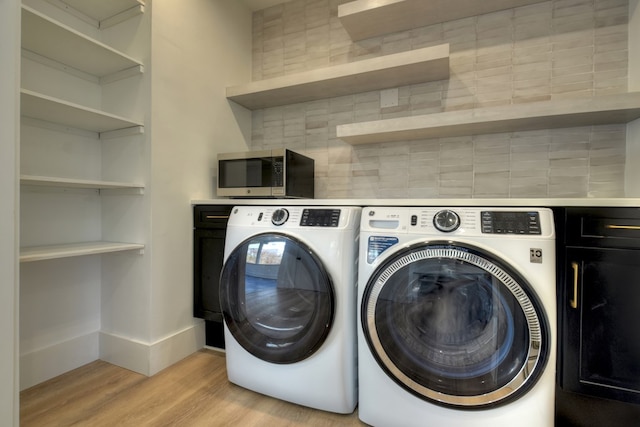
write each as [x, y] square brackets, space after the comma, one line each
[125, 352]
[171, 349]
[149, 359]
[49, 362]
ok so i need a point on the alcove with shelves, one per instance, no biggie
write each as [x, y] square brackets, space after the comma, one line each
[61, 60]
[82, 173]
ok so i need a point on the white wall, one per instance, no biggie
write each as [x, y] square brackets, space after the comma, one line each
[9, 133]
[198, 48]
[632, 173]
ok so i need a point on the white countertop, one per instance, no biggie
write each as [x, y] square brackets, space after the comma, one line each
[554, 202]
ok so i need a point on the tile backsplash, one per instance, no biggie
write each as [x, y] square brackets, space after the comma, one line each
[546, 51]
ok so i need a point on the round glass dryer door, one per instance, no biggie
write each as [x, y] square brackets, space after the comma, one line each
[454, 326]
[277, 299]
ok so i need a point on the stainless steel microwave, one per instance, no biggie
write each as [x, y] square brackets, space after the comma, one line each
[278, 173]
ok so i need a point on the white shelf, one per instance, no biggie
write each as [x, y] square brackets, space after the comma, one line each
[602, 110]
[49, 109]
[101, 10]
[364, 19]
[40, 253]
[416, 66]
[55, 41]
[47, 181]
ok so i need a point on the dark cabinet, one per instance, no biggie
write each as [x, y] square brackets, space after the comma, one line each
[210, 224]
[599, 307]
[602, 328]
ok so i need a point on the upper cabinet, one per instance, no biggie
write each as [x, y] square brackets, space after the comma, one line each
[416, 66]
[364, 19]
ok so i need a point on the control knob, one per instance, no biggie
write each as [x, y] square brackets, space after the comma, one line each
[279, 216]
[446, 221]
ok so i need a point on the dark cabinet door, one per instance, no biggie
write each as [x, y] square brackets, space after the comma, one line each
[208, 259]
[601, 329]
[210, 229]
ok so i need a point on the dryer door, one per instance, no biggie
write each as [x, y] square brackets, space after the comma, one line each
[455, 326]
[277, 298]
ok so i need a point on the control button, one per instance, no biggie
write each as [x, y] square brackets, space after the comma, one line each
[414, 220]
[446, 221]
[279, 216]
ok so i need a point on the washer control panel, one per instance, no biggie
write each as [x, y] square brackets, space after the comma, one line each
[459, 221]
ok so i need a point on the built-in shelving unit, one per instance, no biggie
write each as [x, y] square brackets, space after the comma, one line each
[416, 66]
[364, 19]
[41, 253]
[601, 110]
[54, 44]
[83, 104]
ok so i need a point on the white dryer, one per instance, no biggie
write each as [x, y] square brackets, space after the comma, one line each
[457, 317]
[288, 296]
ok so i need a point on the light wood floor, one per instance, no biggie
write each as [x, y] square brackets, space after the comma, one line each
[193, 392]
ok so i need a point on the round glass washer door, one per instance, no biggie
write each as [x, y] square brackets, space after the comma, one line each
[454, 326]
[277, 298]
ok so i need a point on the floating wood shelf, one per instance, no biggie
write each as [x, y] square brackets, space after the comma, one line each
[55, 41]
[40, 253]
[49, 109]
[565, 113]
[46, 181]
[416, 66]
[364, 19]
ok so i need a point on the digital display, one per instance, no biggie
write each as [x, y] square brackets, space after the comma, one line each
[506, 222]
[320, 217]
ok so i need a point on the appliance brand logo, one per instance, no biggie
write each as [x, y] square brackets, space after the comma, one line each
[535, 255]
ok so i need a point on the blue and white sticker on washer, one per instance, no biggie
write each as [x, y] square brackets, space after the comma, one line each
[377, 245]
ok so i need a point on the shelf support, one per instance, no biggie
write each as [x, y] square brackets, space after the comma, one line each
[124, 74]
[119, 133]
[122, 16]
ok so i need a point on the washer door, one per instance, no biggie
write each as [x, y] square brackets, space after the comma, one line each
[277, 298]
[454, 326]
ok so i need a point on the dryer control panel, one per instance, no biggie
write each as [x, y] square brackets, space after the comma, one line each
[323, 218]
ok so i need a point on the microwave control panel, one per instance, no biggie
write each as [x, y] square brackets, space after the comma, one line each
[278, 167]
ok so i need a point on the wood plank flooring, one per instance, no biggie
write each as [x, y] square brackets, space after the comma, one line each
[193, 392]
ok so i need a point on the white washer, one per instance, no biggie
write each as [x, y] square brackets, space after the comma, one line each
[288, 293]
[457, 317]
